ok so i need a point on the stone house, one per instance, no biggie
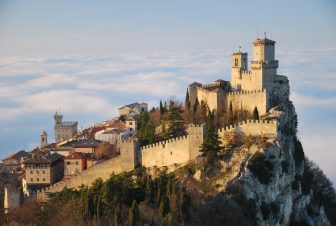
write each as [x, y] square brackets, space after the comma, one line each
[133, 109]
[42, 171]
[14, 160]
[74, 163]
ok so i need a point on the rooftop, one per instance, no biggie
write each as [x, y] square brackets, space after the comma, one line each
[82, 143]
[76, 155]
[263, 41]
[44, 159]
[16, 155]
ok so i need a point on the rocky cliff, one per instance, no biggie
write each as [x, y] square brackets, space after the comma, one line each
[269, 176]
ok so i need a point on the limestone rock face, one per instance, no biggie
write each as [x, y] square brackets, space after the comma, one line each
[282, 200]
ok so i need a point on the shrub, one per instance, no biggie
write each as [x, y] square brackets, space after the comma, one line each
[298, 153]
[261, 168]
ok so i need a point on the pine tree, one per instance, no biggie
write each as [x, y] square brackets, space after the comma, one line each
[231, 115]
[161, 110]
[255, 113]
[149, 190]
[117, 217]
[211, 145]
[146, 131]
[196, 105]
[175, 120]
[164, 208]
[133, 214]
[185, 203]
[187, 104]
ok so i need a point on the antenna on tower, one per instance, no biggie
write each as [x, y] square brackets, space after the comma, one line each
[257, 31]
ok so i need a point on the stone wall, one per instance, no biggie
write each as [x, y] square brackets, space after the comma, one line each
[251, 127]
[174, 151]
[248, 100]
[127, 161]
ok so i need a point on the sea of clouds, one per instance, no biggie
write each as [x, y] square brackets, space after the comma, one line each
[91, 88]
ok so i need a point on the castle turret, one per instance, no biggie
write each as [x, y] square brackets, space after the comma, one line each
[44, 138]
[58, 118]
[239, 65]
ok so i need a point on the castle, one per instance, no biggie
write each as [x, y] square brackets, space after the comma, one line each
[63, 130]
[246, 91]
[248, 88]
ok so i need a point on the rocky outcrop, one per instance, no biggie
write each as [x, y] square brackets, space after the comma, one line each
[284, 199]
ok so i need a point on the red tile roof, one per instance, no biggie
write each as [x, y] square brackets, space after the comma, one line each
[76, 155]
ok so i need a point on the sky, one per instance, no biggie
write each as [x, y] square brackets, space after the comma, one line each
[87, 58]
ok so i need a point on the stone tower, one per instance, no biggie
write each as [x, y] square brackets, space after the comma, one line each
[58, 118]
[264, 61]
[263, 67]
[64, 130]
[239, 65]
[44, 138]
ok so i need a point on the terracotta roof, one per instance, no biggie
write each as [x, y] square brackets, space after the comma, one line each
[76, 155]
[43, 159]
[118, 124]
[82, 143]
[16, 155]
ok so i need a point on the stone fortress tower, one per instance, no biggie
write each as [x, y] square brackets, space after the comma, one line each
[248, 88]
[64, 130]
[44, 138]
[263, 67]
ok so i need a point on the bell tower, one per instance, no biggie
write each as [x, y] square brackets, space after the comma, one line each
[239, 65]
[44, 138]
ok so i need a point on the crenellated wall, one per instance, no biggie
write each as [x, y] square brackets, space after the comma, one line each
[174, 151]
[177, 150]
[128, 159]
[248, 100]
[251, 127]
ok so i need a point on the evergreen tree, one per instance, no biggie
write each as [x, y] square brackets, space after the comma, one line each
[159, 192]
[133, 214]
[187, 101]
[231, 116]
[164, 208]
[204, 110]
[211, 145]
[146, 129]
[149, 190]
[255, 113]
[196, 105]
[117, 217]
[165, 107]
[175, 121]
[185, 203]
[161, 110]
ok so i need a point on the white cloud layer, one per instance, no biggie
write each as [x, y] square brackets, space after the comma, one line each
[90, 88]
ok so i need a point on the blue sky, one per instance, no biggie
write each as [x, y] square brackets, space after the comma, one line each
[89, 57]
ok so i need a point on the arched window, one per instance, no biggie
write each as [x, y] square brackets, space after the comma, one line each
[236, 62]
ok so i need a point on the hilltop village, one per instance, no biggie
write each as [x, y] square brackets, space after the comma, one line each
[179, 130]
[255, 103]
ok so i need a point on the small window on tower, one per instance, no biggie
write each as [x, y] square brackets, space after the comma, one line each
[236, 62]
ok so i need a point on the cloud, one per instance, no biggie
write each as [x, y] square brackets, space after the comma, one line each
[304, 100]
[318, 144]
[90, 88]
